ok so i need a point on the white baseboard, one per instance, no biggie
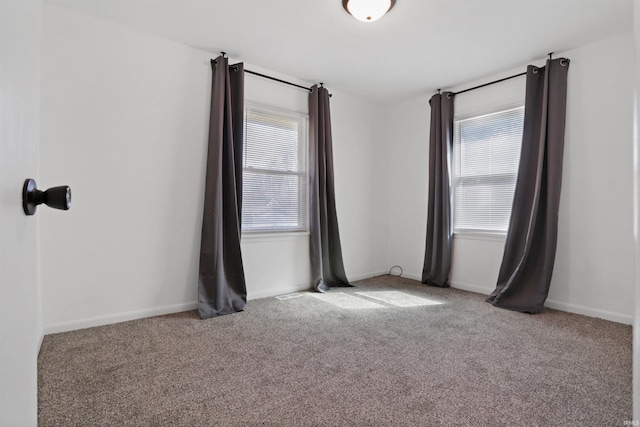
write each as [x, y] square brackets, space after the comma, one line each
[456, 285]
[118, 317]
[356, 277]
[471, 288]
[41, 338]
[556, 305]
[268, 293]
[175, 308]
[591, 312]
[412, 276]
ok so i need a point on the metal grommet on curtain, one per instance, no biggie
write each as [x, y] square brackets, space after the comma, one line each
[535, 70]
[449, 95]
[564, 62]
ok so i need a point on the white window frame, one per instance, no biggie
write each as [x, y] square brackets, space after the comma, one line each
[303, 153]
[468, 232]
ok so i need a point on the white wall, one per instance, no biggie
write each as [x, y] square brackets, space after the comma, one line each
[594, 263]
[20, 321]
[407, 175]
[124, 123]
[359, 141]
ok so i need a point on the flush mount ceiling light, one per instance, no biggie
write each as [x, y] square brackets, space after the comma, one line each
[368, 10]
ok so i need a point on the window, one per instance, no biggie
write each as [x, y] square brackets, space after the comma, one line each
[486, 153]
[275, 179]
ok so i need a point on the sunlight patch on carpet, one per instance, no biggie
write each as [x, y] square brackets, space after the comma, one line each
[342, 300]
[399, 299]
[289, 296]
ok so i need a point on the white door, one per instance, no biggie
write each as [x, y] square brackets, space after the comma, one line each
[20, 324]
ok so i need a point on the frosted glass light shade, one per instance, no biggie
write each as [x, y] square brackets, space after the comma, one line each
[368, 10]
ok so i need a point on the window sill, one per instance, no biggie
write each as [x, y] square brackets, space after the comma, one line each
[480, 235]
[276, 236]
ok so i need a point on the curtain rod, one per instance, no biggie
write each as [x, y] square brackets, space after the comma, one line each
[490, 83]
[282, 81]
[213, 61]
[277, 80]
[496, 81]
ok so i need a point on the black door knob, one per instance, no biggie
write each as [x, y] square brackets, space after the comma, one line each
[54, 197]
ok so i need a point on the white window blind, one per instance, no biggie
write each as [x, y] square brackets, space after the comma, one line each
[275, 179]
[486, 153]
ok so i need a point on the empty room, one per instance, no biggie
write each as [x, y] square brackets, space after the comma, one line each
[319, 213]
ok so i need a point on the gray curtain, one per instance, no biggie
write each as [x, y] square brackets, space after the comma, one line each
[530, 247]
[437, 257]
[327, 268]
[221, 283]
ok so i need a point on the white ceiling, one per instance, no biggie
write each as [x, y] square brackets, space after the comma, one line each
[421, 45]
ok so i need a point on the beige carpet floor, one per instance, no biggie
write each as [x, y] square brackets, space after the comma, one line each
[389, 352]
